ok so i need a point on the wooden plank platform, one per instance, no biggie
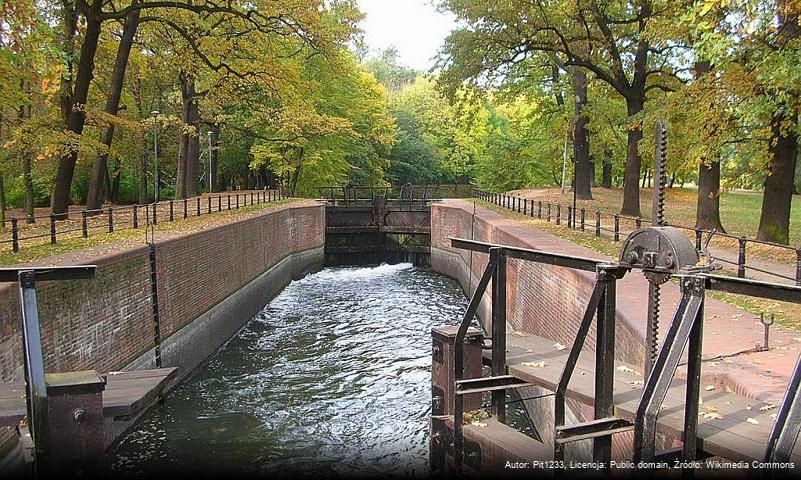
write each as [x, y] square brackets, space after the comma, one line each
[126, 394]
[740, 434]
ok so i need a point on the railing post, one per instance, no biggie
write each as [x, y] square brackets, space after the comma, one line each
[597, 223]
[84, 225]
[698, 233]
[558, 214]
[570, 217]
[617, 227]
[136, 216]
[110, 219]
[519, 204]
[798, 266]
[229, 201]
[209, 204]
[155, 210]
[549, 211]
[198, 205]
[52, 229]
[15, 235]
[219, 203]
[525, 206]
[539, 209]
[638, 222]
[741, 259]
[186, 208]
[237, 200]
[172, 216]
[583, 218]
[498, 406]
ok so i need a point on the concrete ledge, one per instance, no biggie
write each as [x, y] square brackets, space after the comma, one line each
[548, 301]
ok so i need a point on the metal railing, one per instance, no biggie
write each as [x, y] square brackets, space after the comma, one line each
[686, 330]
[618, 226]
[115, 218]
[360, 195]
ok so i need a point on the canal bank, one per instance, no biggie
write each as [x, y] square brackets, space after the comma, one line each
[330, 380]
[209, 282]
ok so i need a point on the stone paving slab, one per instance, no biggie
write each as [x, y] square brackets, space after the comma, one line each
[728, 330]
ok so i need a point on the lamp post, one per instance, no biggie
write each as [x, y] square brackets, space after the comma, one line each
[156, 192]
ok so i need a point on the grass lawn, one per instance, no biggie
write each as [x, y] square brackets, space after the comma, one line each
[739, 211]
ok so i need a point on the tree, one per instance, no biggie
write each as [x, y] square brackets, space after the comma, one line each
[608, 39]
[757, 48]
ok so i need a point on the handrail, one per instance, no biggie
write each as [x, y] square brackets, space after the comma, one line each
[539, 256]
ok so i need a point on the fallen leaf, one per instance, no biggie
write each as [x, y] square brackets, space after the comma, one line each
[712, 415]
[713, 364]
[752, 421]
[637, 382]
[479, 424]
[711, 408]
[534, 364]
[518, 334]
[709, 388]
[559, 346]
[626, 369]
[767, 407]
[115, 373]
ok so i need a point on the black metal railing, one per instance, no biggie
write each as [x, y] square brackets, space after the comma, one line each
[615, 225]
[115, 218]
[404, 195]
[686, 330]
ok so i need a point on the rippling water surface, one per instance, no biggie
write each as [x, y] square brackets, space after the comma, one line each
[331, 379]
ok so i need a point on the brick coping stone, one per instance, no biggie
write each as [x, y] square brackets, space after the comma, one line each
[728, 329]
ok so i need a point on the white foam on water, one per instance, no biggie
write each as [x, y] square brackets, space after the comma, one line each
[356, 273]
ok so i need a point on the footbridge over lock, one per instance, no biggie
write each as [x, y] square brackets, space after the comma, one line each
[373, 225]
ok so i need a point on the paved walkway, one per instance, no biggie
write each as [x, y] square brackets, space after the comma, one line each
[730, 333]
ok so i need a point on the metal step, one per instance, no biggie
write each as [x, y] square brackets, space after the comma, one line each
[594, 428]
[489, 384]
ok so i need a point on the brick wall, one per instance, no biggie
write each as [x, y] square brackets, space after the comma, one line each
[544, 300]
[106, 323]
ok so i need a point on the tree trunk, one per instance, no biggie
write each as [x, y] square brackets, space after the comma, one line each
[143, 176]
[581, 140]
[560, 99]
[76, 114]
[2, 201]
[631, 178]
[707, 213]
[94, 197]
[189, 148]
[774, 223]
[193, 152]
[214, 157]
[114, 197]
[2, 184]
[606, 181]
[27, 174]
